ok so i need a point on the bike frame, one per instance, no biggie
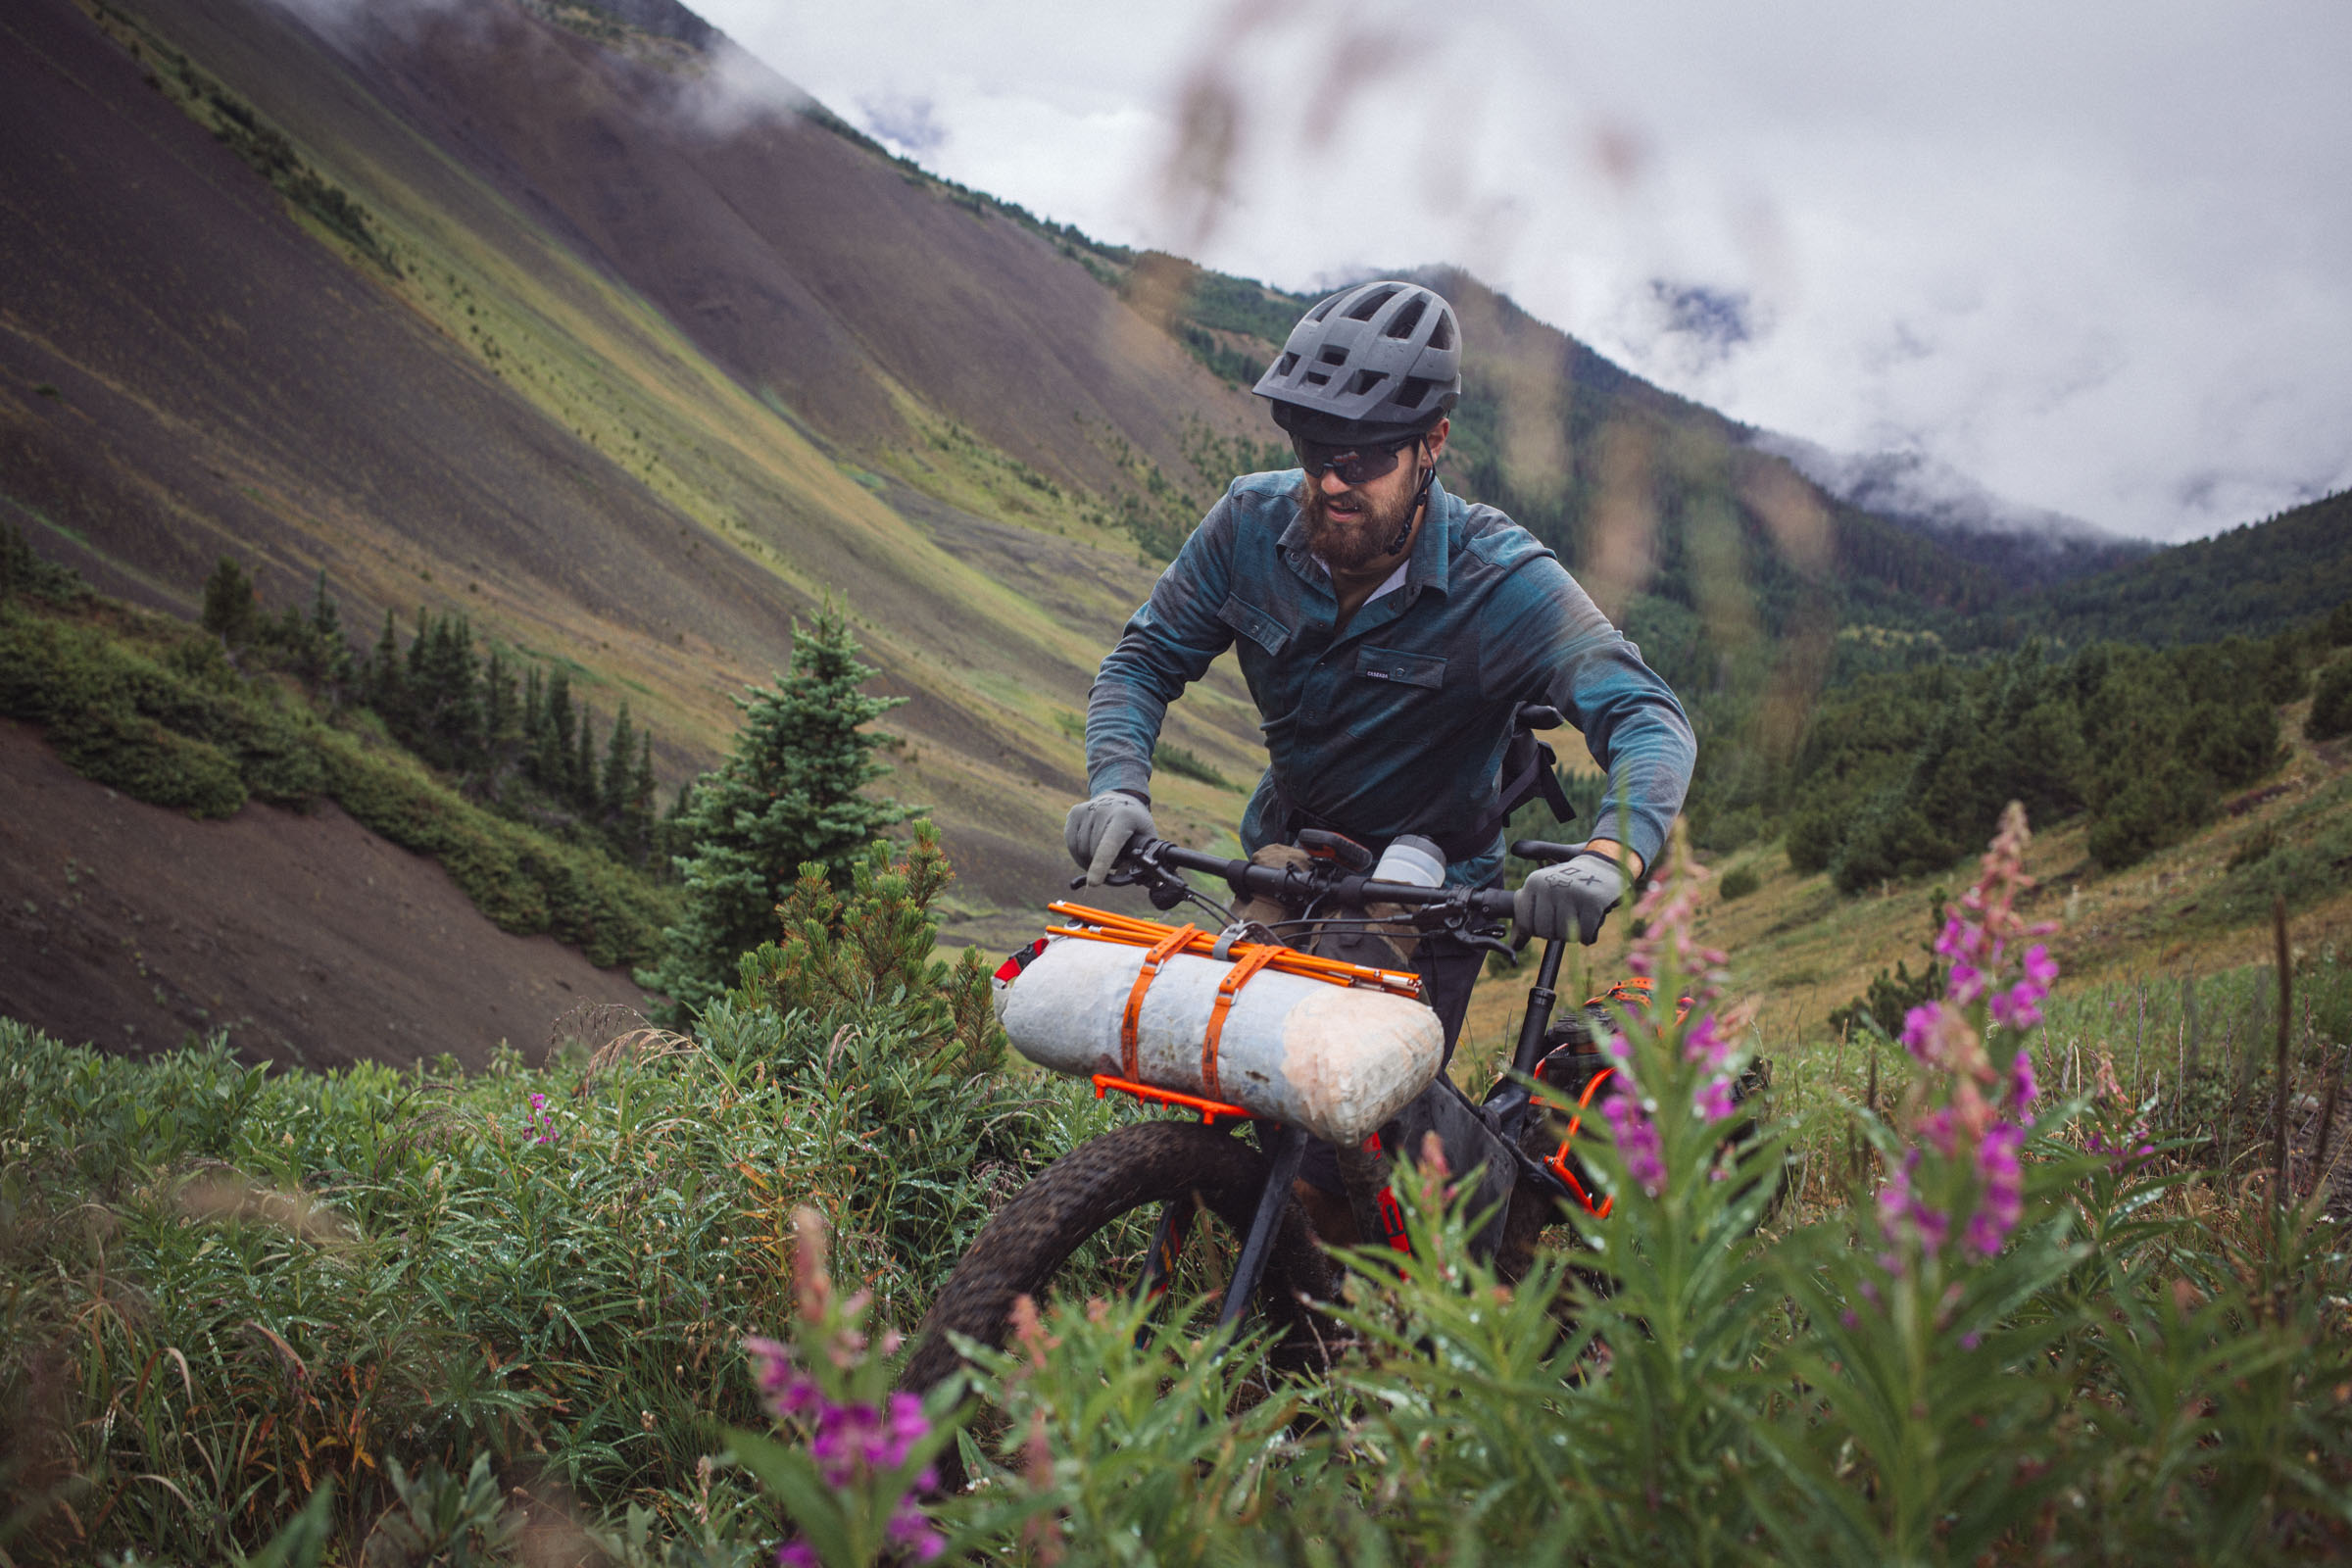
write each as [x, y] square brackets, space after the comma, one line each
[1471, 915]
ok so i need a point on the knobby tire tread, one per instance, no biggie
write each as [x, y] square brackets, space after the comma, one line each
[1030, 1237]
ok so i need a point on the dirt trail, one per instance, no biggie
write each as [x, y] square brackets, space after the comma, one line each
[307, 937]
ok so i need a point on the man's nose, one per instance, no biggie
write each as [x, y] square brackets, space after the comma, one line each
[1331, 484]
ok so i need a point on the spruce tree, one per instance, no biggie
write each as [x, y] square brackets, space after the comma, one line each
[583, 767]
[791, 795]
[232, 612]
[551, 747]
[388, 680]
[637, 817]
[612, 788]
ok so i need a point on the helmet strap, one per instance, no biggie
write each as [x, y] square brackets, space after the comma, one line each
[1412, 514]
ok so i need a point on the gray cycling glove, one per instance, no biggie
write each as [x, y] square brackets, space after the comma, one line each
[1576, 895]
[1096, 830]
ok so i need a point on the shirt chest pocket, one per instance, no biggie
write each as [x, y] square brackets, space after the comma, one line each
[1400, 668]
[1253, 623]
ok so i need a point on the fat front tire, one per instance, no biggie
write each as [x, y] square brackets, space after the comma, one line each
[1035, 1233]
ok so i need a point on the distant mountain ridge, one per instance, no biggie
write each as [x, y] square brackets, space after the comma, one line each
[2026, 547]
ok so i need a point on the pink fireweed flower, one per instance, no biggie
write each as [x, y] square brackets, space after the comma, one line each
[1713, 1100]
[2001, 1203]
[1637, 1138]
[797, 1554]
[2018, 1007]
[2023, 1090]
[1705, 1041]
[910, 1528]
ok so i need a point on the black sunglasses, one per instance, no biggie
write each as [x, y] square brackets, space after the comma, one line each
[1353, 465]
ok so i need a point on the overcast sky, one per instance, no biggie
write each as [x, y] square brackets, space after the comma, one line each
[2098, 257]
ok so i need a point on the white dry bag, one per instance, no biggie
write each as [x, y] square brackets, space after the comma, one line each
[1338, 1059]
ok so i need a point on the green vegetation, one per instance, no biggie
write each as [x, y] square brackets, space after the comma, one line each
[2331, 702]
[1168, 756]
[789, 799]
[374, 1316]
[176, 716]
[1739, 882]
[278, 1280]
[2249, 581]
[1900, 773]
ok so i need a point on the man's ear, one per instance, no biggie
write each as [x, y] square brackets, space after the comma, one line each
[1437, 438]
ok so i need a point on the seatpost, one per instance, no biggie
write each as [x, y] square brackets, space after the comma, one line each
[1539, 999]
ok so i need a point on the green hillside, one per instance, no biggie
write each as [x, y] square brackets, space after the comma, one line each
[2250, 581]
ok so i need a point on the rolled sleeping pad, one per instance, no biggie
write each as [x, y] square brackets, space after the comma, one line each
[1338, 1060]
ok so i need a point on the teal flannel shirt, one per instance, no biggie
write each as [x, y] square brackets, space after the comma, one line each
[1397, 724]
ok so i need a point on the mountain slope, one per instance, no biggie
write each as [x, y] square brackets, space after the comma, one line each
[2255, 579]
[601, 335]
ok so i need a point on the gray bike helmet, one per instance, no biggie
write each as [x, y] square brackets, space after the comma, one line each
[1379, 362]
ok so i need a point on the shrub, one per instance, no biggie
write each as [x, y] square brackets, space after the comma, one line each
[1739, 882]
[2330, 714]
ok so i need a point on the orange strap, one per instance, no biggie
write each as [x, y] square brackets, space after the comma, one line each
[1104, 925]
[1162, 951]
[1228, 988]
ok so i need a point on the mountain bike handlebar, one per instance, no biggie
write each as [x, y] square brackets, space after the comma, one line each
[1328, 879]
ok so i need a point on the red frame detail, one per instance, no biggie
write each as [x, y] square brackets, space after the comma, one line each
[1174, 1100]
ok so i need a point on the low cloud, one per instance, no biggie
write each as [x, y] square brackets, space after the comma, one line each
[905, 121]
[2096, 269]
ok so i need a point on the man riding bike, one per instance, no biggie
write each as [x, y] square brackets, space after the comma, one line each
[1390, 633]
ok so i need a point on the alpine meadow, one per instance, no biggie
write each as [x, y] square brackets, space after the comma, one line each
[549, 591]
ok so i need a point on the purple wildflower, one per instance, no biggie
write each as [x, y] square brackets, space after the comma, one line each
[910, 1528]
[797, 1554]
[1706, 1042]
[2021, 1088]
[1714, 1100]
[2002, 1201]
[1636, 1139]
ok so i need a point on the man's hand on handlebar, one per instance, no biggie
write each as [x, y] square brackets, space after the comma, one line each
[1099, 830]
[1574, 897]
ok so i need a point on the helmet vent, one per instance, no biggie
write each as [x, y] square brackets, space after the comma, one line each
[1323, 310]
[1440, 336]
[1369, 305]
[1317, 378]
[1365, 381]
[1406, 320]
[1333, 355]
[1412, 390]
[1286, 365]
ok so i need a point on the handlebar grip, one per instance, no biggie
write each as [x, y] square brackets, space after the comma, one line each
[1546, 850]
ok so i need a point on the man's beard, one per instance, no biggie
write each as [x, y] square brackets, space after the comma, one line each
[1353, 546]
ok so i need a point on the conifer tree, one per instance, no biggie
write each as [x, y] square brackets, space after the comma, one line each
[552, 746]
[637, 821]
[326, 658]
[498, 703]
[388, 680]
[791, 795]
[613, 789]
[232, 612]
[583, 767]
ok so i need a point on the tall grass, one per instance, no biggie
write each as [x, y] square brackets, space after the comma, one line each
[404, 1315]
